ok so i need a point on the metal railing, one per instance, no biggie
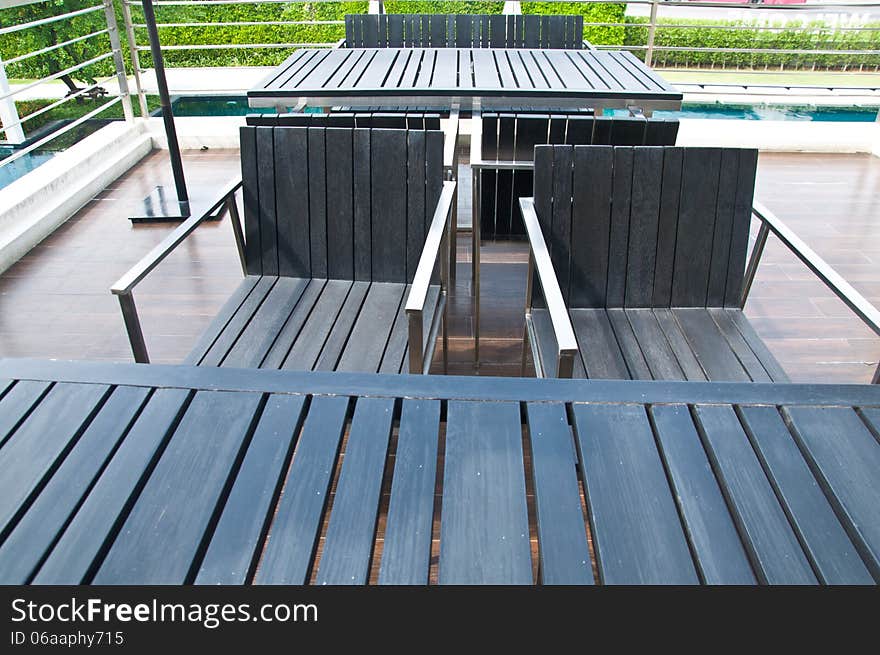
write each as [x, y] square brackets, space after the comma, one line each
[108, 46]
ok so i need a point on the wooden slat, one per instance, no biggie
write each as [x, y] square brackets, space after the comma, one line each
[647, 174]
[834, 558]
[237, 322]
[305, 350]
[416, 229]
[598, 346]
[591, 228]
[362, 206]
[372, 330]
[41, 442]
[690, 366]
[287, 335]
[629, 345]
[772, 545]
[17, 403]
[621, 201]
[267, 214]
[293, 536]
[562, 541]
[257, 338]
[92, 529]
[637, 534]
[844, 457]
[709, 346]
[759, 348]
[741, 349]
[484, 527]
[36, 531]
[407, 548]
[742, 218]
[231, 555]
[317, 180]
[251, 199]
[388, 154]
[340, 329]
[340, 211]
[717, 547]
[560, 233]
[658, 354]
[724, 209]
[161, 538]
[350, 534]
[291, 167]
[696, 218]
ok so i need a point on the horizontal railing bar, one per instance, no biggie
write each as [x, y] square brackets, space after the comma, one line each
[139, 271]
[203, 5]
[50, 19]
[55, 76]
[666, 3]
[773, 51]
[248, 23]
[777, 28]
[54, 135]
[43, 110]
[35, 53]
[236, 46]
[832, 279]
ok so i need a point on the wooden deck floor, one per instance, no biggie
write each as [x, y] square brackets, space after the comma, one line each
[55, 302]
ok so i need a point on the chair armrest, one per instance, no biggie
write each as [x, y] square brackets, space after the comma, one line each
[139, 271]
[418, 292]
[562, 328]
[339, 44]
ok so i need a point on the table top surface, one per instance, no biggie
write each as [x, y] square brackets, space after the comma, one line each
[138, 474]
[397, 74]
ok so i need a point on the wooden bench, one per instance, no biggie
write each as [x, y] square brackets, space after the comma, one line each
[412, 120]
[339, 260]
[640, 254]
[463, 31]
[124, 474]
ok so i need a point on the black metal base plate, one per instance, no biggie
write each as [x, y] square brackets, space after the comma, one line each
[162, 205]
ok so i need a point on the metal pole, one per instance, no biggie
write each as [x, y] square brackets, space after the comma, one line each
[135, 59]
[652, 27]
[116, 46]
[165, 100]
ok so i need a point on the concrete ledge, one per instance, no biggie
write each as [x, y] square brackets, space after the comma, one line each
[32, 207]
[197, 132]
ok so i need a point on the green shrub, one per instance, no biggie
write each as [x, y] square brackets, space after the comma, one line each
[592, 13]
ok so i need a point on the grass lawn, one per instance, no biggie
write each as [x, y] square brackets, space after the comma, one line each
[804, 78]
[74, 109]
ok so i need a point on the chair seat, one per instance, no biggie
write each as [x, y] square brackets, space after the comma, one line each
[715, 344]
[312, 324]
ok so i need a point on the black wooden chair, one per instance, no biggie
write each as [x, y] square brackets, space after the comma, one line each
[343, 228]
[642, 271]
[463, 31]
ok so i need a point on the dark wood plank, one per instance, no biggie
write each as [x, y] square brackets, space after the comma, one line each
[317, 179]
[292, 195]
[759, 348]
[560, 233]
[658, 354]
[161, 539]
[742, 218]
[618, 244]
[40, 444]
[696, 223]
[678, 342]
[287, 335]
[231, 556]
[363, 257]
[372, 330]
[35, 533]
[268, 217]
[598, 346]
[834, 558]
[562, 540]
[340, 331]
[350, 534]
[257, 338]
[293, 536]
[844, 457]
[221, 320]
[719, 552]
[647, 174]
[317, 327]
[484, 526]
[737, 343]
[637, 533]
[407, 548]
[709, 346]
[91, 531]
[728, 180]
[238, 322]
[667, 227]
[416, 228]
[591, 226]
[773, 547]
[629, 345]
[251, 199]
[388, 151]
[17, 404]
[340, 210]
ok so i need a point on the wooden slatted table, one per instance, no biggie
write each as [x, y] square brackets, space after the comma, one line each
[465, 77]
[118, 473]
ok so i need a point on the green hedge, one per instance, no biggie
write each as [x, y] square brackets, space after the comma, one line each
[793, 35]
[592, 13]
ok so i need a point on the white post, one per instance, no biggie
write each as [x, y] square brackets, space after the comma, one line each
[8, 112]
[512, 8]
[376, 7]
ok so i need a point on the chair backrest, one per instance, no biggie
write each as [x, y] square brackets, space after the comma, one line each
[342, 203]
[507, 137]
[646, 226]
[463, 31]
[398, 120]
